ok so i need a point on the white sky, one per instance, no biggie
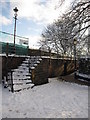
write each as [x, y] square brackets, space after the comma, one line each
[41, 12]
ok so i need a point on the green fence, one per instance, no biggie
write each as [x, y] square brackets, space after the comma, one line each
[19, 49]
[21, 44]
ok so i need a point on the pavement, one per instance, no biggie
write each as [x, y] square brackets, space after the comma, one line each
[70, 78]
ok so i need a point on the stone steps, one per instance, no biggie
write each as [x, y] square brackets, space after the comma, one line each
[22, 75]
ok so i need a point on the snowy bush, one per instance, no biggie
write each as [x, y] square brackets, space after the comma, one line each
[84, 65]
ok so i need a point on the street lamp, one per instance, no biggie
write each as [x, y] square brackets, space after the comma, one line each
[40, 51]
[75, 66]
[15, 10]
[49, 55]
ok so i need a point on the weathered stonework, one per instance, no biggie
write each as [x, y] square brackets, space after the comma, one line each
[50, 68]
[45, 69]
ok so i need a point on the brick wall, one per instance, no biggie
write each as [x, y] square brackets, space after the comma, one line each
[40, 73]
[51, 68]
[12, 63]
[46, 69]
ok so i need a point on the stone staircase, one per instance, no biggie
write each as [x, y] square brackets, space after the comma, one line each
[22, 76]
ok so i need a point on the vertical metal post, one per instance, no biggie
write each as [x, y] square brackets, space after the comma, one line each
[75, 64]
[65, 67]
[12, 89]
[50, 56]
[7, 46]
[7, 69]
[40, 51]
[14, 33]
[65, 63]
[15, 10]
[75, 60]
[7, 62]
[75, 55]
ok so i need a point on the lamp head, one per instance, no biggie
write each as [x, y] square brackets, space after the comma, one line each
[15, 9]
[75, 41]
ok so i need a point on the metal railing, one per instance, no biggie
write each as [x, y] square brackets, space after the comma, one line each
[7, 43]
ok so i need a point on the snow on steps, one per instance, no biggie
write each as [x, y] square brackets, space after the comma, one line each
[22, 75]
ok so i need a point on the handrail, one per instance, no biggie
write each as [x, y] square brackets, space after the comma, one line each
[13, 34]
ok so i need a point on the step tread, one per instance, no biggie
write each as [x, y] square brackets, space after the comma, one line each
[16, 89]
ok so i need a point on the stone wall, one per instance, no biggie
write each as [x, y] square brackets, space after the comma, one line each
[13, 63]
[51, 68]
[46, 69]
[59, 67]
[40, 73]
[36, 52]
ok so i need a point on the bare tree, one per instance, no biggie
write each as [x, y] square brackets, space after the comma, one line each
[73, 25]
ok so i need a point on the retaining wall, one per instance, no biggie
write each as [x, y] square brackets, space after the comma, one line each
[40, 73]
[13, 63]
[46, 69]
[51, 68]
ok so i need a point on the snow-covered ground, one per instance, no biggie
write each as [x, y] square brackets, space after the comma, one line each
[83, 75]
[53, 100]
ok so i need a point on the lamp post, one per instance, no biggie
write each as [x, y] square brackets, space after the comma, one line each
[15, 10]
[49, 55]
[40, 51]
[75, 66]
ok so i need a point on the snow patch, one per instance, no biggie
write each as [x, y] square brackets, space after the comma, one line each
[83, 75]
[53, 100]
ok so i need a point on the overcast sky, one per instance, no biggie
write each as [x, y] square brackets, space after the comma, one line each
[33, 16]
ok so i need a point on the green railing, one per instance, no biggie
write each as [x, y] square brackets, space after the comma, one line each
[19, 49]
[7, 44]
